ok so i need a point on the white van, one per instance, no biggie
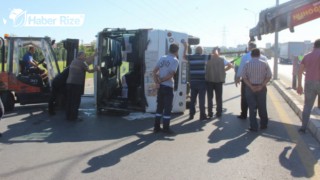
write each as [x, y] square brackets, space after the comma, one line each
[127, 59]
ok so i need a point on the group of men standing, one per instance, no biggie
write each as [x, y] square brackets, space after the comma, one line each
[207, 74]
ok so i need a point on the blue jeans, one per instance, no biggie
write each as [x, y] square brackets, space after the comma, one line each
[311, 91]
[164, 103]
[257, 101]
[198, 88]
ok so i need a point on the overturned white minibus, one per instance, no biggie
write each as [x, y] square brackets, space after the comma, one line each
[127, 59]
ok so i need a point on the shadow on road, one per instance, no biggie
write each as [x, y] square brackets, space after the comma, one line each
[240, 139]
[114, 156]
[37, 126]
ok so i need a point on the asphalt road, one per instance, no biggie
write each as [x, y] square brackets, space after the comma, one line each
[37, 146]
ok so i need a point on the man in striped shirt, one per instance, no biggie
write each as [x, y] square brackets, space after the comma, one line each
[197, 81]
[256, 74]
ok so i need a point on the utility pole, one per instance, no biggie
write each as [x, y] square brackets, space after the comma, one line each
[224, 39]
[276, 47]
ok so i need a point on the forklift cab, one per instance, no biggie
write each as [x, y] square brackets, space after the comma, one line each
[18, 85]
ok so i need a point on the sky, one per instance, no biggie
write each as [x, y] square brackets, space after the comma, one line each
[216, 23]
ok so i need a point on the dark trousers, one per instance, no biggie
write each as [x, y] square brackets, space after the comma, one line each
[36, 70]
[57, 97]
[52, 99]
[257, 101]
[74, 92]
[217, 88]
[244, 104]
[164, 103]
[198, 88]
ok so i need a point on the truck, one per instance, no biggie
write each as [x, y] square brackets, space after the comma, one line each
[127, 59]
[289, 50]
[20, 86]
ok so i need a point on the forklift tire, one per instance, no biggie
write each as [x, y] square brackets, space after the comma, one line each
[8, 101]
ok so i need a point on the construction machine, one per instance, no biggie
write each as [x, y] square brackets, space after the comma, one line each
[287, 15]
[18, 85]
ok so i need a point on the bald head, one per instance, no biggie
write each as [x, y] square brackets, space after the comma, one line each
[81, 55]
[252, 45]
[199, 50]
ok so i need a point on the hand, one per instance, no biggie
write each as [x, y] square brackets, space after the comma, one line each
[300, 90]
[185, 44]
[237, 81]
[97, 68]
[157, 79]
[258, 88]
[157, 85]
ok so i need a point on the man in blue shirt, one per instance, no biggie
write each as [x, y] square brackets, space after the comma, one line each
[31, 66]
[163, 75]
[245, 59]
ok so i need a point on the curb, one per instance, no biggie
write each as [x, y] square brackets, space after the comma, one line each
[297, 106]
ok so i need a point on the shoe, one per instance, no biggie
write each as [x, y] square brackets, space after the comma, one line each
[52, 113]
[263, 127]
[253, 130]
[190, 117]
[203, 118]
[75, 120]
[218, 114]
[302, 130]
[168, 131]
[157, 130]
[241, 117]
[79, 119]
[210, 115]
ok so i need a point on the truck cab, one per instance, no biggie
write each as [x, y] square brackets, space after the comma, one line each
[127, 59]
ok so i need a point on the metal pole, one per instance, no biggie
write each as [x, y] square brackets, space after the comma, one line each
[276, 48]
[319, 101]
[2, 53]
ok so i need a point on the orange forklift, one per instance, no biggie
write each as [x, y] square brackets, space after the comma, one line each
[20, 86]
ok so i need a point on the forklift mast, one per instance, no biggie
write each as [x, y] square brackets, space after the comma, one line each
[287, 15]
[2, 53]
[72, 47]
